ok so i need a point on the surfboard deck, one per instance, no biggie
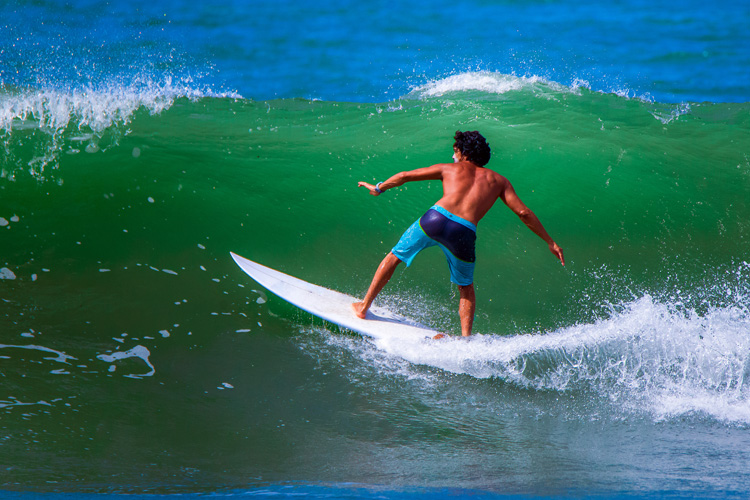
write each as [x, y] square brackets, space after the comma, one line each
[331, 305]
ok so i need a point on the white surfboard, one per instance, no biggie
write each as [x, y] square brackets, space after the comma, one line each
[331, 305]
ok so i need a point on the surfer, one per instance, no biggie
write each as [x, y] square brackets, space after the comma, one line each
[469, 191]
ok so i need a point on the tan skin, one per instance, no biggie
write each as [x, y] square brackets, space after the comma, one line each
[469, 191]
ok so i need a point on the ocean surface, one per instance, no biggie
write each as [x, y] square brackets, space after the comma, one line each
[142, 141]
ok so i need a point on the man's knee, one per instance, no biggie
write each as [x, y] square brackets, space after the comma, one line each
[392, 260]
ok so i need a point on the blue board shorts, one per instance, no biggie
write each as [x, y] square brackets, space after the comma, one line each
[454, 235]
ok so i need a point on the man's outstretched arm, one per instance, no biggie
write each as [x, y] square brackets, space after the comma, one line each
[528, 217]
[435, 172]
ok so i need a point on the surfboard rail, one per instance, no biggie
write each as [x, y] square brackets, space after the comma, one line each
[331, 305]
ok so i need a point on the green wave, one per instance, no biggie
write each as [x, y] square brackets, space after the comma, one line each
[643, 197]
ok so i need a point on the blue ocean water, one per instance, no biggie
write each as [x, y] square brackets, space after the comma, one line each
[141, 141]
[682, 51]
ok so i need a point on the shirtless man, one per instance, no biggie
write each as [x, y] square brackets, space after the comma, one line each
[469, 191]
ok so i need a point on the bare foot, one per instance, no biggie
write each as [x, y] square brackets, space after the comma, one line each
[359, 310]
[439, 336]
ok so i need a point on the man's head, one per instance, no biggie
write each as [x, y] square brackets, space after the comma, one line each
[473, 146]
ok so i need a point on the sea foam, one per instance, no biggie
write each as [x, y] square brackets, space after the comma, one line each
[651, 357]
[484, 81]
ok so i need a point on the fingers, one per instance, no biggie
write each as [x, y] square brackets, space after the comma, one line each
[560, 256]
[369, 186]
[558, 252]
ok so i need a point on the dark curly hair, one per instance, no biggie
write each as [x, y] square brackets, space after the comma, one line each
[473, 146]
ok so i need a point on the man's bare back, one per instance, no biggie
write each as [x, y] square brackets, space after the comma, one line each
[470, 191]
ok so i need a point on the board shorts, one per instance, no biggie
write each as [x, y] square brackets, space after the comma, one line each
[454, 235]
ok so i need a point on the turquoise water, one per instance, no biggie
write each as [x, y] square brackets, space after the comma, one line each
[139, 149]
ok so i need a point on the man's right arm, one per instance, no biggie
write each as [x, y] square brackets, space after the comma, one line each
[435, 172]
[511, 199]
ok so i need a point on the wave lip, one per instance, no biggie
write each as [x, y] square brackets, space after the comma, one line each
[84, 114]
[93, 107]
[488, 82]
[491, 83]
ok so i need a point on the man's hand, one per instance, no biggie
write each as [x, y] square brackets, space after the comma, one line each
[557, 251]
[369, 186]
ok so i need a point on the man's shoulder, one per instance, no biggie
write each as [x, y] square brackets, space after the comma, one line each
[439, 166]
[494, 175]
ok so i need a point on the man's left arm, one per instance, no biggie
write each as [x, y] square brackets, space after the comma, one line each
[511, 199]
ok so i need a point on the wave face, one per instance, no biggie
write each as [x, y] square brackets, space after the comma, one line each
[129, 334]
